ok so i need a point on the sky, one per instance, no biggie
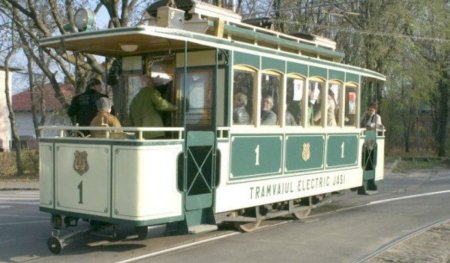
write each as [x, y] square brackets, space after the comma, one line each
[20, 79]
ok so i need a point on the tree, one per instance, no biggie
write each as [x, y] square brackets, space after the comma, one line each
[435, 24]
[10, 50]
[35, 20]
[390, 37]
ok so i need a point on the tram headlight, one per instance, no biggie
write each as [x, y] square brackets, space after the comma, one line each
[84, 19]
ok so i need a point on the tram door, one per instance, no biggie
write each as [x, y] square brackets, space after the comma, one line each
[200, 145]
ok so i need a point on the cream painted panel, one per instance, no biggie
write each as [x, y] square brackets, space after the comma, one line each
[231, 196]
[197, 58]
[145, 182]
[46, 175]
[220, 103]
[224, 148]
[379, 170]
[88, 193]
[132, 63]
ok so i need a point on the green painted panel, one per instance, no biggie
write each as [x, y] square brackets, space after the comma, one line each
[342, 150]
[255, 155]
[371, 135]
[198, 201]
[246, 59]
[339, 75]
[297, 68]
[200, 138]
[317, 72]
[304, 152]
[352, 77]
[269, 38]
[368, 175]
[270, 63]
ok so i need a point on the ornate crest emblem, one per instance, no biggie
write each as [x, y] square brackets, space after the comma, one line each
[306, 153]
[80, 163]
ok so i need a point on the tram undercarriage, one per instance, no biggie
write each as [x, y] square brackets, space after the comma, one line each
[250, 219]
[68, 229]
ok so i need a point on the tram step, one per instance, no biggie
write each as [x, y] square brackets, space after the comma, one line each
[202, 229]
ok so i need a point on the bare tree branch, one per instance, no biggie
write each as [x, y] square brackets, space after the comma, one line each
[56, 16]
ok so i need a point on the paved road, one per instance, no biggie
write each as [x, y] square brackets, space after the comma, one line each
[22, 228]
[343, 231]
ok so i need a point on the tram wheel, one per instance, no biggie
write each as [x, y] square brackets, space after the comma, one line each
[142, 232]
[248, 227]
[54, 245]
[302, 214]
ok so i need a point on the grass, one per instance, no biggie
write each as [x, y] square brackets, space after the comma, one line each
[8, 169]
[418, 163]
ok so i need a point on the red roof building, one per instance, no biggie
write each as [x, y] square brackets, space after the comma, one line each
[21, 102]
[46, 102]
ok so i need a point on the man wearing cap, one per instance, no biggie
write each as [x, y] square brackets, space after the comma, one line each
[82, 108]
[104, 118]
[371, 119]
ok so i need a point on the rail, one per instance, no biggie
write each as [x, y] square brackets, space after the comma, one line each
[130, 132]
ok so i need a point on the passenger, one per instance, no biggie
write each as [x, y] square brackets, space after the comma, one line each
[313, 102]
[371, 119]
[293, 113]
[104, 119]
[290, 120]
[268, 117]
[240, 114]
[145, 109]
[82, 109]
[331, 108]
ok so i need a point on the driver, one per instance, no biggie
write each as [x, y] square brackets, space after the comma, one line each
[146, 106]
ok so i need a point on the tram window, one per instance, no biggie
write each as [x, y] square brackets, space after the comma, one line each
[270, 87]
[198, 97]
[243, 97]
[350, 106]
[314, 103]
[334, 108]
[294, 99]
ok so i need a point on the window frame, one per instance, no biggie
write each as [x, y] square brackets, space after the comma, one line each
[339, 102]
[322, 97]
[280, 105]
[357, 89]
[303, 105]
[253, 114]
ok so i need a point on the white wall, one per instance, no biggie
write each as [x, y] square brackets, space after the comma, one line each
[5, 131]
[24, 124]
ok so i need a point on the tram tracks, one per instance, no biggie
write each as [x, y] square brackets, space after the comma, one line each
[311, 219]
[401, 239]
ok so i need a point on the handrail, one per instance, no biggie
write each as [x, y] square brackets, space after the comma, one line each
[108, 130]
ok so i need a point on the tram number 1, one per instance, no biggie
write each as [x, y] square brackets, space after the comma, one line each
[342, 150]
[80, 192]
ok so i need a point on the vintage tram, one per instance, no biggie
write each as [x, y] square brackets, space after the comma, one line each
[253, 136]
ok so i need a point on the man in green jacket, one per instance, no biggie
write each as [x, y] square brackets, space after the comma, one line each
[145, 110]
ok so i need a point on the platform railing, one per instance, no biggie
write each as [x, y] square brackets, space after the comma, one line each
[133, 133]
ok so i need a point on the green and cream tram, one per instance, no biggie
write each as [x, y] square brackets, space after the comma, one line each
[283, 151]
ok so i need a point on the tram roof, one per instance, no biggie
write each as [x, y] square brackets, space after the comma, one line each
[150, 39]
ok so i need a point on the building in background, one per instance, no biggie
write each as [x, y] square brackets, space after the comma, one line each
[5, 127]
[46, 104]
